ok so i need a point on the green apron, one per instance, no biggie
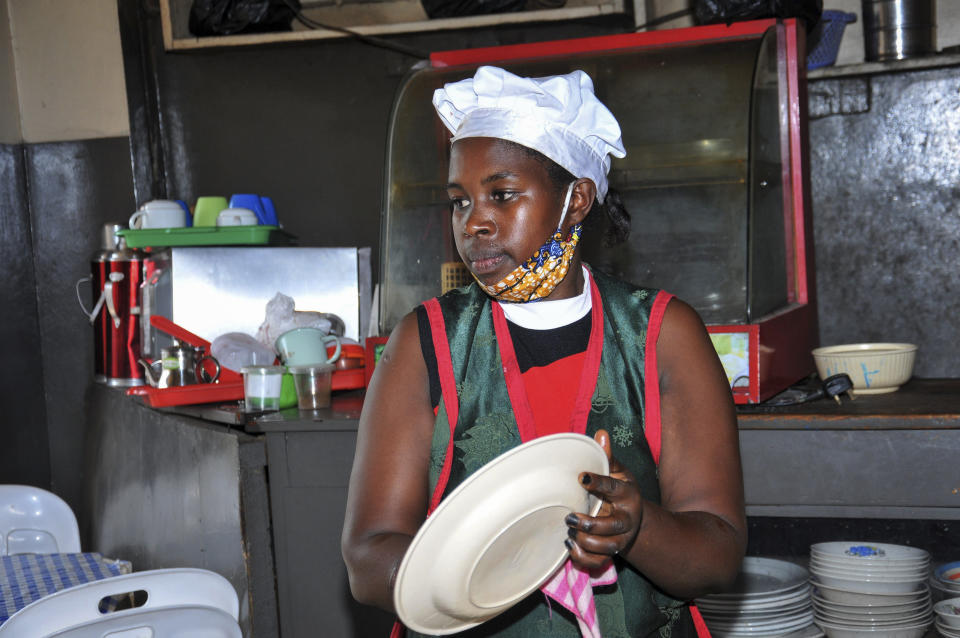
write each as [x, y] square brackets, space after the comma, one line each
[486, 427]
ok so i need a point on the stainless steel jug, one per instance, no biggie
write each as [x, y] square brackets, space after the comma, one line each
[181, 364]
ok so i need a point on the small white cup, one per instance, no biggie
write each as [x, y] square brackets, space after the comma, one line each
[159, 213]
[237, 217]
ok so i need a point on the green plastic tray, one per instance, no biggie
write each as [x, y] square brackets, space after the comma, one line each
[204, 236]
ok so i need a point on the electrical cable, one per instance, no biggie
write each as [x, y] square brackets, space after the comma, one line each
[372, 41]
[664, 18]
[831, 387]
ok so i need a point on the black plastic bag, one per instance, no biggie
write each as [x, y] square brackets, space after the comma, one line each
[455, 8]
[226, 17]
[729, 11]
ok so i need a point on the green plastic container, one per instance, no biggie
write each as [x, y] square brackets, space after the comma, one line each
[288, 392]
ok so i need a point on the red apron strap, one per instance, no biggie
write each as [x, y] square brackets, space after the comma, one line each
[651, 390]
[591, 364]
[448, 389]
[526, 424]
[702, 630]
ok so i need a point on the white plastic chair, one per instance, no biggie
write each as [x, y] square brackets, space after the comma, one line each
[35, 521]
[180, 603]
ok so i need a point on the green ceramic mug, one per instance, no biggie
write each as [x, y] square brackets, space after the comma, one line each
[306, 346]
[206, 210]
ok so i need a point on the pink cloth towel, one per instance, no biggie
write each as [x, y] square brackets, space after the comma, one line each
[573, 588]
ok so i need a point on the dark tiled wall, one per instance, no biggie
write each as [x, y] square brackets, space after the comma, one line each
[24, 451]
[75, 187]
[56, 196]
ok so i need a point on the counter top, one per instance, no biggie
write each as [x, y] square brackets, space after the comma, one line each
[919, 404]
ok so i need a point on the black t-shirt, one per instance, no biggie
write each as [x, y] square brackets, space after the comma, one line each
[534, 348]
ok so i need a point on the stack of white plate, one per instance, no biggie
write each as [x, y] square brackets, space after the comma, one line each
[948, 617]
[770, 598]
[870, 590]
[946, 580]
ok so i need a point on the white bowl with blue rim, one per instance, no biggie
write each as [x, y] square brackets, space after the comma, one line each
[870, 553]
[946, 578]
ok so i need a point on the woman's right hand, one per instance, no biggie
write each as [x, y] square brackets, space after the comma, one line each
[595, 540]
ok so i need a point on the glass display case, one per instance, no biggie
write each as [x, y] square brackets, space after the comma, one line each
[714, 180]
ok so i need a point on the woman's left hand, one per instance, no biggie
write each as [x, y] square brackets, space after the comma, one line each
[594, 540]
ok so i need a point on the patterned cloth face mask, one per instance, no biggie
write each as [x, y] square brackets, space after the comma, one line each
[536, 278]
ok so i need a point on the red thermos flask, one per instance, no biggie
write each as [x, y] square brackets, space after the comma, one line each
[115, 276]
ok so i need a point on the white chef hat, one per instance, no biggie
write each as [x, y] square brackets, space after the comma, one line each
[559, 116]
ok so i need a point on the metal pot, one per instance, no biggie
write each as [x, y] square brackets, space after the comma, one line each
[181, 364]
[898, 29]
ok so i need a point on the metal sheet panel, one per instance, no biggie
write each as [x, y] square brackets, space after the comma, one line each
[213, 291]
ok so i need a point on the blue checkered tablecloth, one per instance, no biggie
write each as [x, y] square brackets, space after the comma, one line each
[26, 577]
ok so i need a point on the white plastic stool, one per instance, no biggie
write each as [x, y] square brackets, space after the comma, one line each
[35, 521]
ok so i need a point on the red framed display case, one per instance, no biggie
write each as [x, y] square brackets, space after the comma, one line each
[716, 179]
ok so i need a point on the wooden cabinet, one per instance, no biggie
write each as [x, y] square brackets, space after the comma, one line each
[264, 505]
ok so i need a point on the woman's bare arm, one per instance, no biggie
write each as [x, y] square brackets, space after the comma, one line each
[693, 542]
[388, 493]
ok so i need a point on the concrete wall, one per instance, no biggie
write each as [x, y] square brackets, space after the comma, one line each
[885, 171]
[69, 69]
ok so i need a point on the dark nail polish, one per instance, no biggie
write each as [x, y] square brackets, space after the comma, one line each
[568, 543]
[571, 532]
[586, 479]
[571, 519]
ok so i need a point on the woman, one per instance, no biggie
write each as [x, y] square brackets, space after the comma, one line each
[541, 345]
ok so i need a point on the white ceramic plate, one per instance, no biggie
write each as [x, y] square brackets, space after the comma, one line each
[922, 615]
[946, 630]
[949, 612]
[740, 605]
[837, 631]
[764, 578]
[496, 537]
[859, 574]
[848, 596]
[793, 621]
[808, 631]
[734, 612]
[871, 607]
[817, 561]
[950, 590]
[872, 585]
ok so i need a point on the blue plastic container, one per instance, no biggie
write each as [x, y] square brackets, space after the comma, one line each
[262, 206]
[826, 37]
